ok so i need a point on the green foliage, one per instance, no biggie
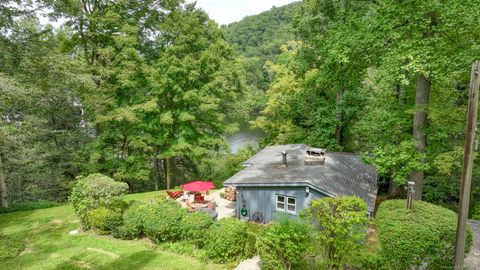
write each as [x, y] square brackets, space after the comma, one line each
[104, 220]
[250, 248]
[226, 240]
[194, 226]
[218, 167]
[340, 226]
[284, 244]
[133, 221]
[9, 247]
[410, 238]
[27, 206]
[93, 191]
[258, 39]
[274, 118]
[476, 211]
[50, 236]
[182, 247]
[41, 130]
[397, 161]
[371, 261]
[163, 221]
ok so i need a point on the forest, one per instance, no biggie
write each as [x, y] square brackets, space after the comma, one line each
[146, 91]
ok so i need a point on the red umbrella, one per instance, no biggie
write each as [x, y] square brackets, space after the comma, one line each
[197, 186]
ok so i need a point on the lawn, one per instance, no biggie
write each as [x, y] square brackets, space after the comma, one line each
[49, 246]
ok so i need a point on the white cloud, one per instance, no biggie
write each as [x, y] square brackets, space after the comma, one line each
[228, 11]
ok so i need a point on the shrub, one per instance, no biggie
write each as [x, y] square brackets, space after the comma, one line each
[93, 191]
[340, 226]
[9, 247]
[250, 248]
[133, 220]
[226, 240]
[27, 206]
[370, 261]
[423, 235]
[283, 245]
[104, 220]
[164, 221]
[476, 211]
[194, 227]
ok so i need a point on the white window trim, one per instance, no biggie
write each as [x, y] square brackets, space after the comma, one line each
[285, 204]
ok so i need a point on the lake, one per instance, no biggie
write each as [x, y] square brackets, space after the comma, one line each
[244, 136]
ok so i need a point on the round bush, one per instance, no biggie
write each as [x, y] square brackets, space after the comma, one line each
[226, 240]
[9, 247]
[283, 245]
[104, 220]
[194, 226]
[133, 220]
[93, 191]
[423, 235]
[164, 221]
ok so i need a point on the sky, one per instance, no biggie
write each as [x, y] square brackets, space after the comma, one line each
[222, 11]
[228, 11]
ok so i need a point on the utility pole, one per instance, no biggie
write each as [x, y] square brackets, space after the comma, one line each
[467, 166]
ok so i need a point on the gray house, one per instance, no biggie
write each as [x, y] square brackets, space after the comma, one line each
[283, 179]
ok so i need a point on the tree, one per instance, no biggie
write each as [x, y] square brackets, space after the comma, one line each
[333, 61]
[340, 225]
[195, 83]
[259, 38]
[419, 43]
[41, 120]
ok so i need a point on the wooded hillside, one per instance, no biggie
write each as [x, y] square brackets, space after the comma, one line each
[145, 91]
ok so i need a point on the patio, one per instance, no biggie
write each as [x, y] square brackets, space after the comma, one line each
[224, 208]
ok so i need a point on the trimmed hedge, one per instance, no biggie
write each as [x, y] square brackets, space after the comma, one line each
[283, 245]
[226, 240]
[164, 221]
[9, 247]
[423, 235]
[194, 226]
[133, 220]
[104, 220]
[93, 191]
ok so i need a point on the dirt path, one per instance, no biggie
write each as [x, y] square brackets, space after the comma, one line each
[472, 261]
[250, 264]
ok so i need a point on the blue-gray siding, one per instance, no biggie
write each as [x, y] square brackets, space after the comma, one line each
[263, 200]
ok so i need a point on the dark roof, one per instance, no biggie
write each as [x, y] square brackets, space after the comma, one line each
[342, 174]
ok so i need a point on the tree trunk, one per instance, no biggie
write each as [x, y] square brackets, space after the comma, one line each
[393, 190]
[339, 116]
[157, 173]
[166, 166]
[419, 123]
[156, 176]
[3, 186]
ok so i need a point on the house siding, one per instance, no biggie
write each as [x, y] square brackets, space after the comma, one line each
[263, 200]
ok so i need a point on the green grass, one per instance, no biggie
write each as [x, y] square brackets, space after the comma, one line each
[49, 246]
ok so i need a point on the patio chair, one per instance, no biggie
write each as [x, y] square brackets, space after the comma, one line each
[174, 194]
[198, 197]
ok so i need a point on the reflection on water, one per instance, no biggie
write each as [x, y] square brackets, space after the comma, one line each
[244, 136]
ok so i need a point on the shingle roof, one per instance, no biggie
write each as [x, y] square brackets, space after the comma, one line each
[342, 174]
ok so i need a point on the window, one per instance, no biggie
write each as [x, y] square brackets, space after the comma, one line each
[286, 204]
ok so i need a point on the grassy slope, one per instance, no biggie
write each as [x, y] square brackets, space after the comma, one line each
[49, 246]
